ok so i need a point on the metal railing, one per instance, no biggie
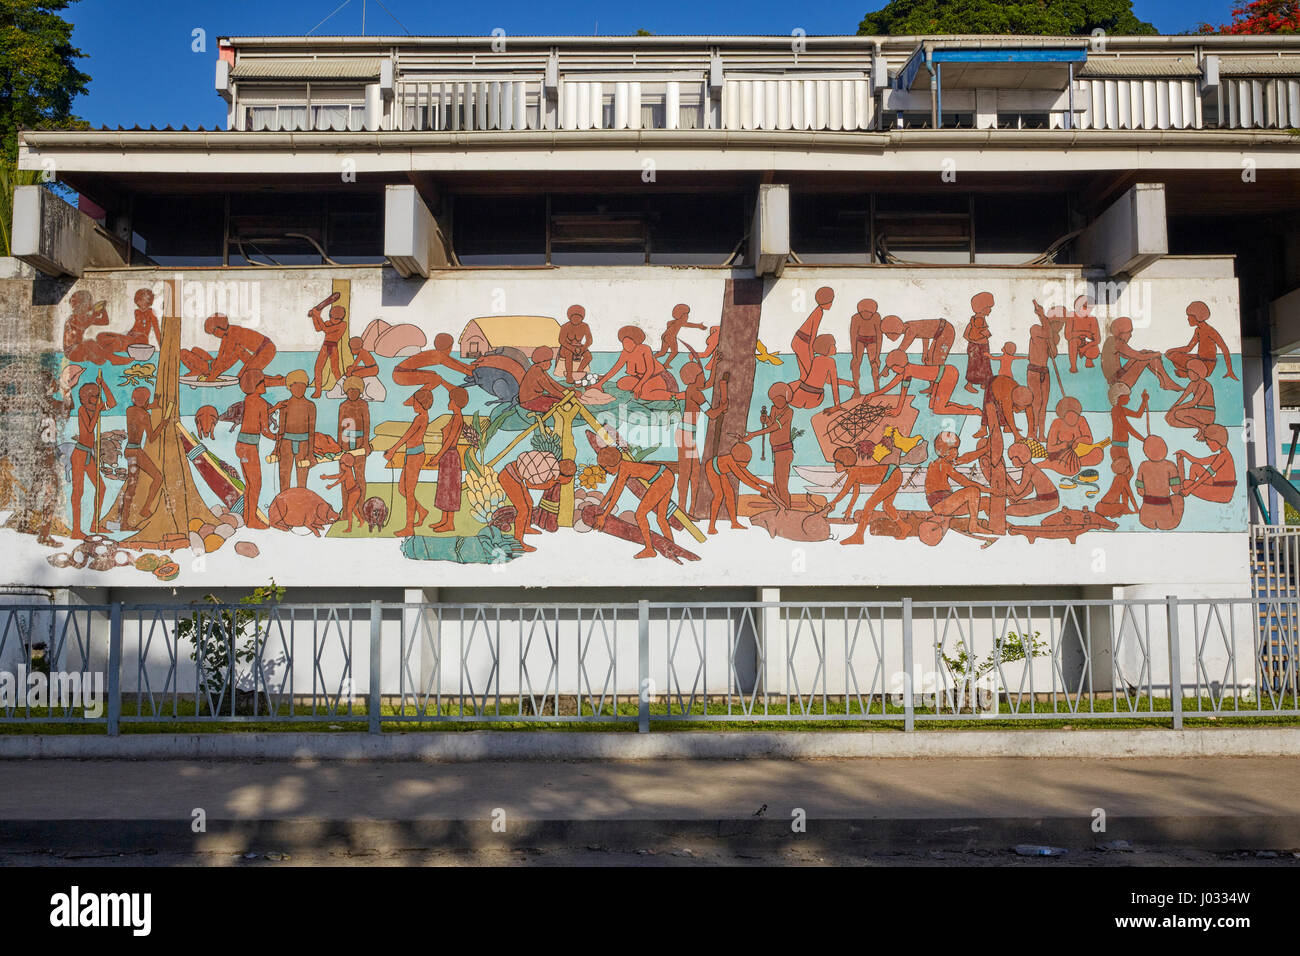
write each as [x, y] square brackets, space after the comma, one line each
[906, 663]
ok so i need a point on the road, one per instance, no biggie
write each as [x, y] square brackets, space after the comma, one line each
[1234, 811]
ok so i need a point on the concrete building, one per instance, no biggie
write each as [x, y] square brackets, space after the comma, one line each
[856, 257]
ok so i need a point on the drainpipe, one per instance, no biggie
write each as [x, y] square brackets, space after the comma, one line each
[934, 89]
[1069, 116]
[1270, 426]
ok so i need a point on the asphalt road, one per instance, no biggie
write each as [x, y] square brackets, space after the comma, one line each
[1233, 811]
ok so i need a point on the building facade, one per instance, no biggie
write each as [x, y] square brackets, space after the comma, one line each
[519, 319]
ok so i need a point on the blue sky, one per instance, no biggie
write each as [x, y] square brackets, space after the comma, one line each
[144, 71]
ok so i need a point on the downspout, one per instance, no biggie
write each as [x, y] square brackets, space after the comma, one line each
[934, 89]
[1270, 425]
[1069, 116]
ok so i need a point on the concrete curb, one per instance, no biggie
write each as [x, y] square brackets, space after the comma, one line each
[455, 747]
[666, 833]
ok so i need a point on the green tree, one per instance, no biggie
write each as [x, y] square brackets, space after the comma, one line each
[39, 78]
[1032, 17]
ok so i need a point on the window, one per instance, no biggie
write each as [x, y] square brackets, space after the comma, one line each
[339, 117]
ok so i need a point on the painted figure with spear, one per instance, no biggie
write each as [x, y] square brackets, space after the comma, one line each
[95, 398]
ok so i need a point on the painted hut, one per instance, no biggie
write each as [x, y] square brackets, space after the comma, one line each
[524, 332]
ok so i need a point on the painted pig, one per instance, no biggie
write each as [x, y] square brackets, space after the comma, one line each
[300, 508]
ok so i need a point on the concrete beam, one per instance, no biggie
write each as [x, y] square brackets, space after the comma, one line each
[1130, 234]
[769, 235]
[413, 241]
[57, 239]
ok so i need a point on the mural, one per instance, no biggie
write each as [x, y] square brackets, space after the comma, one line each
[526, 438]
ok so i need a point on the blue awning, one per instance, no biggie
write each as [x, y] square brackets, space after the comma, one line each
[1048, 56]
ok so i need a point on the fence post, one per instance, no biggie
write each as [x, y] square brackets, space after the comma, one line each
[643, 666]
[374, 703]
[1175, 672]
[114, 667]
[909, 706]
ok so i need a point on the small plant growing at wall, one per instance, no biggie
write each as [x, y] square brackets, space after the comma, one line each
[967, 671]
[225, 641]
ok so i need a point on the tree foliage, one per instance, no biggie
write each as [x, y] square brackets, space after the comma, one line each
[1028, 17]
[1261, 16]
[39, 78]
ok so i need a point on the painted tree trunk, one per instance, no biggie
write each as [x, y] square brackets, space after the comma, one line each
[742, 305]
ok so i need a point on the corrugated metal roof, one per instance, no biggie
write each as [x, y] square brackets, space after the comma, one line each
[1259, 66]
[346, 68]
[1139, 66]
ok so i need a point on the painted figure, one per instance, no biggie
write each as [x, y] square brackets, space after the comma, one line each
[806, 335]
[254, 424]
[1082, 335]
[1159, 486]
[84, 456]
[447, 497]
[864, 334]
[1070, 447]
[411, 444]
[333, 328]
[945, 501]
[575, 344]
[538, 392]
[1035, 493]
[668, 341]
[238, 344]
[296, 449]
[658, 479]
[363, 364]
[417, 369]
[779, 422]
[146, 323]
[1118, 499]
[354, 436]
[139, 432]
[517, 486]
[1194, 408]
[719, 472]
[1212, 477]
[821, 373]
[979, 368]
[1120, 362]
[942, 379]
[85, 314]
[1206, 343]
[688, 455]
[644, 377]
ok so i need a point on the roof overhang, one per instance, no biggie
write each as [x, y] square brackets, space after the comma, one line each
[302, 68]
[1008, 65]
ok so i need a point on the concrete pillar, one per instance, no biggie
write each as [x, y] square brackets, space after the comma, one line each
[1129, 235]
[769, 243]
[413, 241]
[771, 673]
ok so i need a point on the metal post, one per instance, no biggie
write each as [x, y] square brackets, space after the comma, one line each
[1175, 677]
[909, 706]
[643, 666]
[114, 668]
[376, 688]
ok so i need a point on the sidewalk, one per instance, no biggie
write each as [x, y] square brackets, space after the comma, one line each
[104, 805]
[453, 745]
